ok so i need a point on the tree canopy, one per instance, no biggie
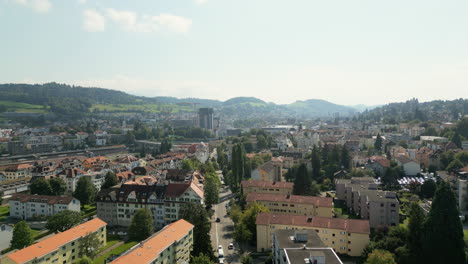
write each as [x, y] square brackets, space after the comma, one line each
[142, 225]
[22, 236]
[85, 191]
[63, 220]
[195, 214]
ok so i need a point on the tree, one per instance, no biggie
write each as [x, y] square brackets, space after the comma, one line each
[63, 220]
[454, 166]
[246, 259]
[316, 175]
[443, 232]
[211, 190]
[110, 180]
[390, 179]
[415, 232]
[22, 236]
[195, 214]
[85, 191]
[456, 139]
[142, 225]
[89, 245]
[378, 142]
[379, 256]
[345, 158]
[187, 165]
[238, 163]
[1, 197]
[302, 182]
[201, 259]
[249, 217]
[41, 186]
[84, 260]
[428, 189]
[58, 186]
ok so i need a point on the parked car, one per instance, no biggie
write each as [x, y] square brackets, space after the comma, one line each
[218, 220]
[231, 246]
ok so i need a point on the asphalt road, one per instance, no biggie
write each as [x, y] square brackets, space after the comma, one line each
[222, 232]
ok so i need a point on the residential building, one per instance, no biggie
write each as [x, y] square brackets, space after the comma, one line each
[171, 245]
[205, 118]
[378, 164]
[345, 236]
[271, 187]
[294, 204]
[362, 197]
[268, 171]
[25, 206]
[61, 248]
[462, 195]
[410, 167]
[17, 171]
[118, 204]
[301, 246]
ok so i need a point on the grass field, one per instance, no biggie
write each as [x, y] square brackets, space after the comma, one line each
[4, 212]
[23, 107]
[116, 251]
[150, 108]
[89, 210]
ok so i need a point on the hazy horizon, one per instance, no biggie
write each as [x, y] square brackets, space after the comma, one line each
[370, 53]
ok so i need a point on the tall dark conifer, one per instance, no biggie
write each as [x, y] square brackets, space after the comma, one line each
[443, 232]
[302, 182]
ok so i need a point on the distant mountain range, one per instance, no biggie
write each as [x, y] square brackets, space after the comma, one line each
[65, 100]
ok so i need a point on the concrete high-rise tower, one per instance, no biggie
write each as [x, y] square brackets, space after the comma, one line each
[205, 118]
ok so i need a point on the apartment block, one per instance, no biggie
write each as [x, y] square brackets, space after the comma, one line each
[118, 204]
[172, 244]
[344, 236]
[24, 206]
[294, 204]
[62, 248]
[301, 246]
[362, 197]
[267, 187]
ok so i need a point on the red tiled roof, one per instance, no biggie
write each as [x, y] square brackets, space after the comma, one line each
[267, 184]
[299, 199]
[176, 189]
[350, 225]
[50, 199]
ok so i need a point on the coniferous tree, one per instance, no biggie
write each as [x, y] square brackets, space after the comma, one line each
[316, 166]
[390, 179]
[378, 142]
[302, 181]
[443, 232]
[415, 232]
[345, 158]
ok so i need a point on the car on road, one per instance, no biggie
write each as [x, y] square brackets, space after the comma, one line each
[220, 247]
[231, 246]
[218, 220]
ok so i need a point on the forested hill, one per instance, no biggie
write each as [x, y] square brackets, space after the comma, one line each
[67, 100]
[410, 110]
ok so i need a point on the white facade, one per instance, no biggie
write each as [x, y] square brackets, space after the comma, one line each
[41, 205]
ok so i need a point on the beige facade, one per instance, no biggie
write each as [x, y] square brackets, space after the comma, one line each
[345, 236]
[362, 197]
[62, 248]
[171, 245]
[269, 187]
[294, 204]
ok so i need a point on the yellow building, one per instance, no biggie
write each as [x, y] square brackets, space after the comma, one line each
[294, 204]
[345, 236]
[61, 248]
[170, 245]
[254, 186]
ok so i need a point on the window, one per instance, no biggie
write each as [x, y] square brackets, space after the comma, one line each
[392, 205]
[381, 205]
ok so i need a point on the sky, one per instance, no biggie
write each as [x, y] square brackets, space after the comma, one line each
[344, 51]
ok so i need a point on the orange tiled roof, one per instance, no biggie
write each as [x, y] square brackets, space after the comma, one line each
[52, 243]
[148, 250]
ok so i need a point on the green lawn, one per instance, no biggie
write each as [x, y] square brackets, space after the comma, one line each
[149, 108]
[23, 107]
[111, 240]
[89, 210]
[116, 251]
[4, 212]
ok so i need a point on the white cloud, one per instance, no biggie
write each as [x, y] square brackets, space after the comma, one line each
[93, 21]
[133, 22]
[41, 6]
[201, 2]
[81, 2]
